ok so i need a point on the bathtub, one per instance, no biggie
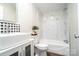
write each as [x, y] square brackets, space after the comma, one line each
[56, 46]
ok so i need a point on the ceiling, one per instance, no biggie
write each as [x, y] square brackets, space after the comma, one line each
[49, 7]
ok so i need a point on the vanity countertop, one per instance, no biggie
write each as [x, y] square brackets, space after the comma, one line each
[16, 45]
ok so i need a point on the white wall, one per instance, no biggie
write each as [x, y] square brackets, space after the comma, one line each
[73, 27]
[54, 29]
[1, 12]
[9, 12]
[27, 17]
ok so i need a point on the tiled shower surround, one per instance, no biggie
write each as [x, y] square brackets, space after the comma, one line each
[8, 27]
[54, 26]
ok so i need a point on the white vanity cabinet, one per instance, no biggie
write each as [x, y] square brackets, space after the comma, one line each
[13, 51]
[25, 48]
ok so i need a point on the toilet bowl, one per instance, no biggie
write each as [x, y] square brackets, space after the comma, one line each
[42, 48]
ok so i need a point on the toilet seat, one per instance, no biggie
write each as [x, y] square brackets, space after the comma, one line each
[41, 46]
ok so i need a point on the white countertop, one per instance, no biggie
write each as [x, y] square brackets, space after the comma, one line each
[16, 45]
[7, 40]
[13, 34]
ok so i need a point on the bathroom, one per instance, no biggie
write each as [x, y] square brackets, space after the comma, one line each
[39, 29]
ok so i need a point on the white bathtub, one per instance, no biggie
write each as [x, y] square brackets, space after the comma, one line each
[56, 46]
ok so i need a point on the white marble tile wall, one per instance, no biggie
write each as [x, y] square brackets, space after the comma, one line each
[54, 29]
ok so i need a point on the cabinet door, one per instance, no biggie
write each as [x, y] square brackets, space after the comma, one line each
[11, 52]
[28, 50]
[15, 54]
[15, 51]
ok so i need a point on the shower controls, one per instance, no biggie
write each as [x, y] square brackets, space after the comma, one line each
[76, 36]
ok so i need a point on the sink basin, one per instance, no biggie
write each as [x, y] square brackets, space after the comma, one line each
[7, 40]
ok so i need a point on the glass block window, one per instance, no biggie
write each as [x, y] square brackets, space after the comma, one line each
[6, 27]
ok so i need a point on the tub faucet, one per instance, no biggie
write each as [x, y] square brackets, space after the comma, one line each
[66, 41]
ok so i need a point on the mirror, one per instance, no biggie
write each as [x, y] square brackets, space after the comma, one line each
[8, 12]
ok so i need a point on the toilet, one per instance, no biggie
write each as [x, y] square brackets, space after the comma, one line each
[40, 48]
